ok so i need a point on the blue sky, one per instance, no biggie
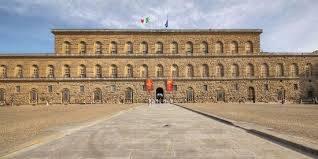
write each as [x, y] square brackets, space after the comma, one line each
[288, 25]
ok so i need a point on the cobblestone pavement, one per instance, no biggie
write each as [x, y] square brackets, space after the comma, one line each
[160, 131]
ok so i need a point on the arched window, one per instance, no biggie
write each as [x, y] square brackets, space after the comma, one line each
[190, 95]
[19, 71]
[293, 70]
[82, 48]
[66, 71]
[159, 70]
[33, 96]
[204, 47]
[67, 47]
[220, 95]
[2, 96]
[190, 70]
[35, 71]
[3, 70]
[129, 47]
[82, 71]
[219, 47]
[279, 70]
[205, 70]
[144, 71]
[98, 71]
[50, 71]
[98, 48]
[174, 71]
[189, 48]
[98, 95]
[129, 95]
[174, 48]
[249, 70]
[129, 71]
[144, 47]
[113, 47]
[264, 70]
[159, 48]
[219, 70]
[308, 70]
[234, 47]
[249, 47]
[113, 71]
[235, 70]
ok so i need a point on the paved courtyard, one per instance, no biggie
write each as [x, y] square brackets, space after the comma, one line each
[160, 131]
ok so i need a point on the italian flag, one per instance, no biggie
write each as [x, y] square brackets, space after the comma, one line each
[145, 20]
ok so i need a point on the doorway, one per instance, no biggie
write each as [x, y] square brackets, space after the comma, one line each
[251, 94]
[159, 95]
[65, 96]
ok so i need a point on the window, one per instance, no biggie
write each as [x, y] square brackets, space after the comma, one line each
[113, 71]
[219, 47]
[144, 48]
[50, 88]
[50, 71]
[308, 70]
[175, 70]
[82, 89]
[67, 47]
[205, 70]
[189, 48]
[129, 48]
[219, 70]
[250, 70]
[159, 48]
[113, 88]
[174, 48]
[266, 87]
[249, 47]
[17, 89]
[235, 70]
[3, 70]
[159, 71]
[264, 70]
[293, 70]
[190, 70]
[35, 71]
[144, 71]
[295, 87]
[129, 71]
[205, 88]
[204, 47]
[66, 71]
[279, 70]
[98, 48]
[2, 95]
[18, 71]
[98, 71]
[82, 48]
[236, 87]
[113, 47]
[82, 72]
[234, 47]
[144, 87]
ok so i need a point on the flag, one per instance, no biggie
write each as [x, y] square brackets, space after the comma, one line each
[166, 23]
[149, 85]
[170, 85]
[144, 21]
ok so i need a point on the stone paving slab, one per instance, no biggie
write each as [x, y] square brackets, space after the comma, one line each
[161, 131]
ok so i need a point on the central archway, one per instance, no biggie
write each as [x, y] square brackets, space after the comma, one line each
[159, 94]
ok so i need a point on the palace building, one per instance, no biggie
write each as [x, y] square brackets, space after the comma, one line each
[113, 65]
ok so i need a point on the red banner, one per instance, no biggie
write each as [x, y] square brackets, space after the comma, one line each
[170, 85]
[149, 85]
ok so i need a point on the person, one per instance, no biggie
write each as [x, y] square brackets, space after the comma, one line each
[149, 102]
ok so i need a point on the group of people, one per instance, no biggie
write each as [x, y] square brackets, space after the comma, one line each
[158, 101]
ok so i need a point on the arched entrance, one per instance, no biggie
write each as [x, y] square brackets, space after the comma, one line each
[159, 94]
[129, 95]
[97, 96]
[190, 95]
[65, 96]
[281, 95]
[251, 94]
[220, 95]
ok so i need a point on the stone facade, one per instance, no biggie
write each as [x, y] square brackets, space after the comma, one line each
[111, 66]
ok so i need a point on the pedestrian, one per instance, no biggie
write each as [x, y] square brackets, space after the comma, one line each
[149, 102]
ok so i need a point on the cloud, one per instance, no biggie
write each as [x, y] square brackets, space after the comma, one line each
[288, 24]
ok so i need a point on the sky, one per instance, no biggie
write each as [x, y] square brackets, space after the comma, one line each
[288, 25]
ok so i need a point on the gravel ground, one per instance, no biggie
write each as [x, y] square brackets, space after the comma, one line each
[22, 124]
[290, 119]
